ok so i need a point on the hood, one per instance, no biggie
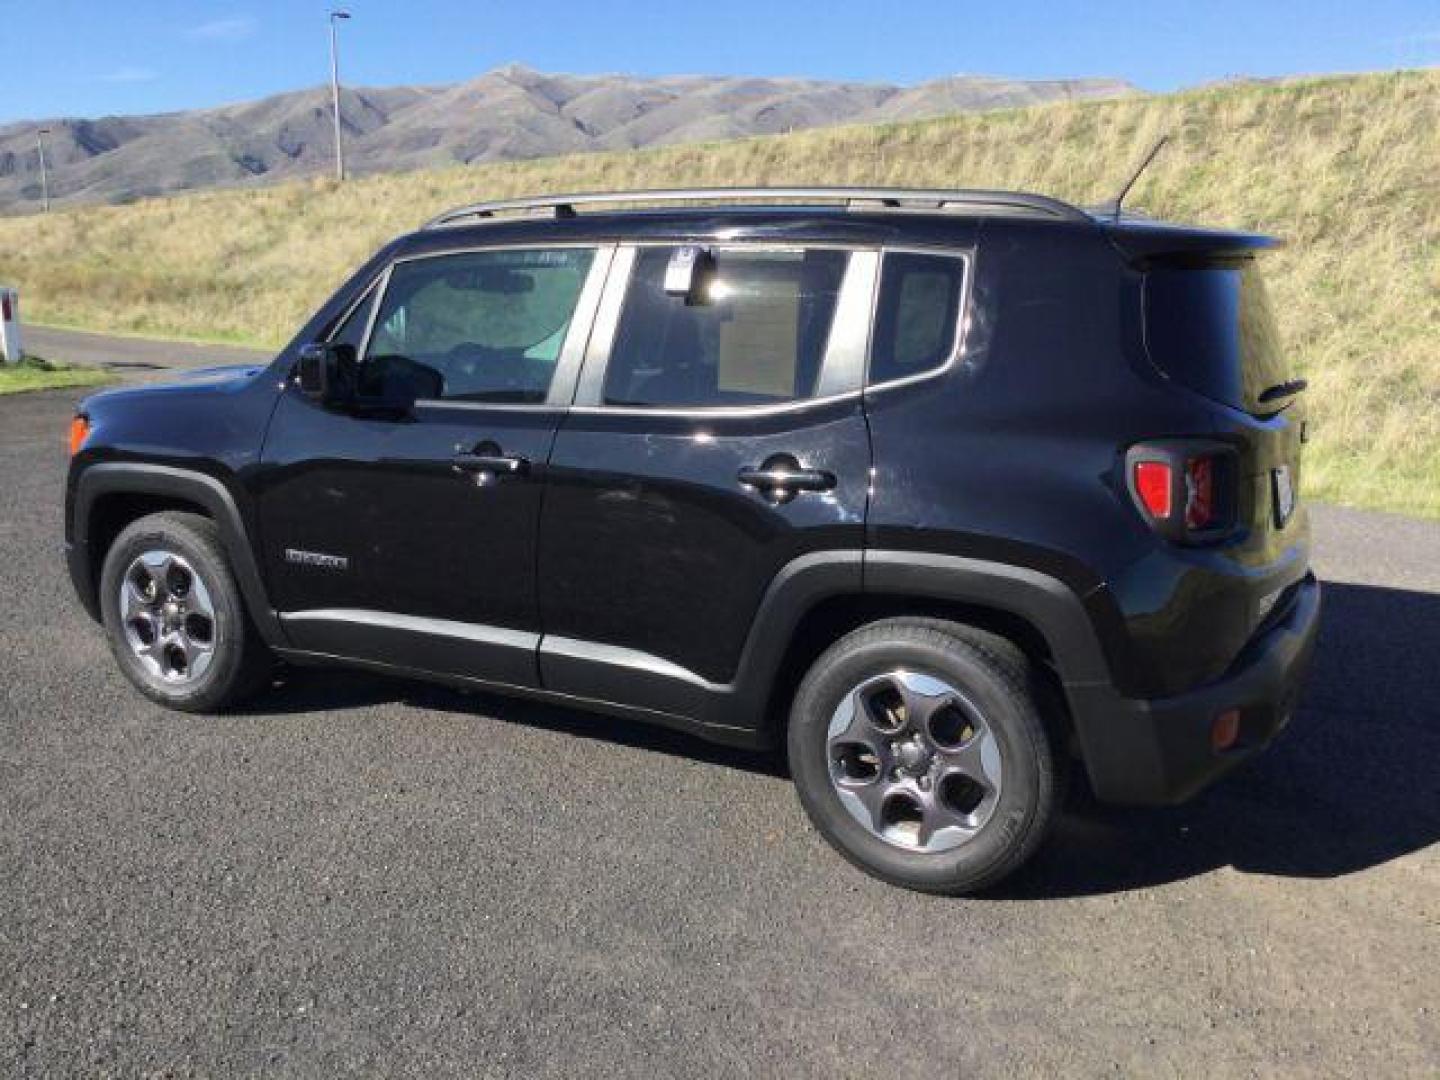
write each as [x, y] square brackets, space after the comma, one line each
[220, 373]
[184, 383]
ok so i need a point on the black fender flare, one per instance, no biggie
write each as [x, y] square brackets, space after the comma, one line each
[1051, 607]
[188, 485]
[1046, 603]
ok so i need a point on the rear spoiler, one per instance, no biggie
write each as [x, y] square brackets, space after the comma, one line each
[1141, 240]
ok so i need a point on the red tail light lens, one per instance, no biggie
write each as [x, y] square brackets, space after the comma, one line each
[1200, 493]
[1186, 489]
[1153, 482]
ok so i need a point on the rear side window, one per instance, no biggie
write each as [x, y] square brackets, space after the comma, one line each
[756, 333]
[917, 322]
[1210, 327]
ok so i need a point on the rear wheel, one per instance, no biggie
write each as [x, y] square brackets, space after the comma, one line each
[919, 751]
[175, 618]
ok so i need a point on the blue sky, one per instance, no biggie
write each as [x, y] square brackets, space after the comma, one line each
[65, 58]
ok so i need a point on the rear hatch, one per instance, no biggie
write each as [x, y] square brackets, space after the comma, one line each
[1209, 326]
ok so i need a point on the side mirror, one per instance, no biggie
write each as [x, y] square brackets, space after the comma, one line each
[325, 372]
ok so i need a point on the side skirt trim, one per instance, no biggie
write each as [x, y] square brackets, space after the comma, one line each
[744, 738]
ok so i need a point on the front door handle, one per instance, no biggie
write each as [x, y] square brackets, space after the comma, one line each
[781, 476]
[504, 464]
[487, 463]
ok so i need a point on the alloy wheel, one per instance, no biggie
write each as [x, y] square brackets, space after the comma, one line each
[168, 617]
[914, 761]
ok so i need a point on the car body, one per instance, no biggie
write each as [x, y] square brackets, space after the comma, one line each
[679, 544]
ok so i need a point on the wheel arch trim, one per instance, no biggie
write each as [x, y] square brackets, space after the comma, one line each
[135, 478]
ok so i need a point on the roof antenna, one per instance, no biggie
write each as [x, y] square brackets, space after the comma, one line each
[1113, 206]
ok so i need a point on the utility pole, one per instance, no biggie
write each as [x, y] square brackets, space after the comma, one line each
[44, 173]
[335, 17]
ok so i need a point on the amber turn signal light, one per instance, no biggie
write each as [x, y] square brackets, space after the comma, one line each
[79, 432]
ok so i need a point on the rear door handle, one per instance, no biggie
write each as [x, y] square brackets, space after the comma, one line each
[781, 476]
[799, 479]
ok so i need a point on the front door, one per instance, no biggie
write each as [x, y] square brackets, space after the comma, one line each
[410, 539]
[716, 437]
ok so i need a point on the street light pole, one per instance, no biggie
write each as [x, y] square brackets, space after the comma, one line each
[44, 173]
[336, 16]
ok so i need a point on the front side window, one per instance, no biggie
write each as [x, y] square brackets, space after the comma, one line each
[755, 332]
[917, 321]
[480, 326]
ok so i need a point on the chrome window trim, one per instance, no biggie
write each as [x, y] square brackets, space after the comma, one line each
[572, 350]
[365, 294]
[383, 285]
[862, 275]
[958, 351]
[847, 348]
[591, 386]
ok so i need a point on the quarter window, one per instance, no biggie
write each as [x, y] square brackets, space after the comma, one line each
[352, 331]
[481, 326]
[754, 333]
[917, 321]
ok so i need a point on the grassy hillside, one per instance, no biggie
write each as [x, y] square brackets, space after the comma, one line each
[1347, 169]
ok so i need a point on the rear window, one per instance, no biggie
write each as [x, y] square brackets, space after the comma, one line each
[1211, 328]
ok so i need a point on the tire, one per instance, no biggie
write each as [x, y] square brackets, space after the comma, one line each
[158, 629]
[919, 750]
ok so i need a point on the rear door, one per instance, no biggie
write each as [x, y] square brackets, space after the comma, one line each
[410, 539]
[714, 438]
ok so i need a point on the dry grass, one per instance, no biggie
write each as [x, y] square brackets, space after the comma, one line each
[1347, 169]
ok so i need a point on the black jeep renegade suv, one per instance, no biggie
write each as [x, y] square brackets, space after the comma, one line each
[939, 489]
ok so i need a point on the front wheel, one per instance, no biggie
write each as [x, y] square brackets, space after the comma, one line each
[919, 751]
[175, 618]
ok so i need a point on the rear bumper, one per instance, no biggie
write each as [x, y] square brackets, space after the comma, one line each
[1159, 751]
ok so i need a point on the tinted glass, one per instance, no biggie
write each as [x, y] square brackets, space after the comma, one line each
[918, 318]
[755, 333]
[1211, 328]
[352, 331]
[484, 326]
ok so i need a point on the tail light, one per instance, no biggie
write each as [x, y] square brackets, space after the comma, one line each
[1154, 484]
[1200, 493]
[1185, 489]
[79, 432]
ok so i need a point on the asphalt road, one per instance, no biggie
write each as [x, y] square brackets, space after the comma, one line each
[132, 358]
[362, 875]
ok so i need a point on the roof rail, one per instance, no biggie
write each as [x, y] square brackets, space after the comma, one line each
[858, 198]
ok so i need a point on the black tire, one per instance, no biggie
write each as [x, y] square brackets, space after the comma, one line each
[239, 664]
[1001, 684]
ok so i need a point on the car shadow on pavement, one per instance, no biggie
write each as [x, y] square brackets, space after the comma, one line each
[318, 690]
[1352, 783]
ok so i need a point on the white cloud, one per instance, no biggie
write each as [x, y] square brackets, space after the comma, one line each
[235, 28]
[129, 74]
